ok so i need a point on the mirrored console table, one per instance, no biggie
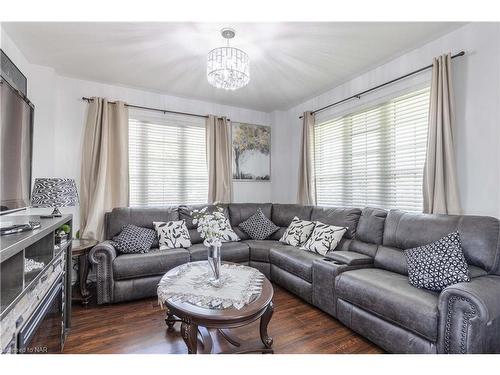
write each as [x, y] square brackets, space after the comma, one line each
[35, 288]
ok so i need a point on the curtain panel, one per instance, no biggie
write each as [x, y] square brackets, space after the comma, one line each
[219, 159]
[306, 193]
[440, 187]
[104, 182]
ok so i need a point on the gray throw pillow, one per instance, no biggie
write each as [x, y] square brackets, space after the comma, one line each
[438, 265]
[134, 239]
[258, 226]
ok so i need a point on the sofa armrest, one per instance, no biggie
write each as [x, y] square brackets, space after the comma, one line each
[469, 317]
[351, 258]
[324, 273]
[103, 256]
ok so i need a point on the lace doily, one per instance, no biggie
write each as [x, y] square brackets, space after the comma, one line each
[189, 283]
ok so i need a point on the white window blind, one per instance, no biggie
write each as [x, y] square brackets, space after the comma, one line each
[374, 157]
[167, 160]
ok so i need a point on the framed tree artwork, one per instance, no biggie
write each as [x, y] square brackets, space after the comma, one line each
[251, 152]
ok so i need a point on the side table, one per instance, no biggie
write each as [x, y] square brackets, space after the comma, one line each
[81, 248]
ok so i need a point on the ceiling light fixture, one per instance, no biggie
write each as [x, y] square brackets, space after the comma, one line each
[227, 67]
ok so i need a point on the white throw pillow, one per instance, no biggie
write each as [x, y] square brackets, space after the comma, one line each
[298, 232]
[229, 235]
[172, 234]
[324, 238]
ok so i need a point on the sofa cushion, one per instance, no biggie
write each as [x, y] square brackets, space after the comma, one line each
[293, 260]
[479, 235]
[241, 234]
[154, 262]
[140, 216]
[259, 249]
[351, 258]
[278, 234]
[390, 296]
[437, 265]
[366, 248]
[391, 259]
[371, 225]
[340, 217]
[283, 214]
[236, 252]
[258, 226]
[239, 212]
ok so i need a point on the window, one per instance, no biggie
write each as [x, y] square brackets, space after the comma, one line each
[374, 157]
[167, 160]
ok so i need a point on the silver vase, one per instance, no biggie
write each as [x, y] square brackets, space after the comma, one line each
[214, 264]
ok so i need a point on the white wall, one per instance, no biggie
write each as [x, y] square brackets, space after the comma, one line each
[60, 115]
[71, 113]
[477, 97]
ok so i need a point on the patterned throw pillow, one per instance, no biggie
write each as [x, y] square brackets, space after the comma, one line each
[324, 238]
[298, 232]
[172, 234]
[438, 265]
[229, 234]
[134, 239]
[258, 226]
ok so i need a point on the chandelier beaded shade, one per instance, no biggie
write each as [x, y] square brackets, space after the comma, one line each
[227, 67]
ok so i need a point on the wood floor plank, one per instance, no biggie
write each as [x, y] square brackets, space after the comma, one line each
[139, 327]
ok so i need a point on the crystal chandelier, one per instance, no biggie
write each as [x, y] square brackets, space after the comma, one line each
[227, 67]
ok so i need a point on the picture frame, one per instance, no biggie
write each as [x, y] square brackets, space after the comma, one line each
[251, 150]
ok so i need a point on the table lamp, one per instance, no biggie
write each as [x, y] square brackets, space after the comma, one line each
[54, 192]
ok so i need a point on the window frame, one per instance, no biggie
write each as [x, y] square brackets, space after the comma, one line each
[178, 151]
[346, 115]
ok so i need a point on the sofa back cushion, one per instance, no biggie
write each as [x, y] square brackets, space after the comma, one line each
[340, 217]
[239, 212]
[185, 214]
[140, 216]
[283, 214]
[371, 225]
[404, 230]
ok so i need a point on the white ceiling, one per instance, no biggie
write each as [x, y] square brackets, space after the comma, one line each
[290, 62]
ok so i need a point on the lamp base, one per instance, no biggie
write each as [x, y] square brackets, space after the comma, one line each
[55, 213]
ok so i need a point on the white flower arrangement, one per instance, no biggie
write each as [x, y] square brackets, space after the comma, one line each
[211, 225]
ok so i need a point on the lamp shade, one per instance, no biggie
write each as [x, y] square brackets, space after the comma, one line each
[54, 192]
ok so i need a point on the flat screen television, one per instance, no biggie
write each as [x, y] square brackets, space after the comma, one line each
[16, 148]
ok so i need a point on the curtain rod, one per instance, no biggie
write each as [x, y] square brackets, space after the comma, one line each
[155, 109]
[358, 96]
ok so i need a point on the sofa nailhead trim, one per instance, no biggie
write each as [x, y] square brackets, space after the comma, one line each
[465, 323]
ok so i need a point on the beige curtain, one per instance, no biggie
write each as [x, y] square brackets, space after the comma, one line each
[306, 191]
[440, 186]
[104, 182]
[219, 153]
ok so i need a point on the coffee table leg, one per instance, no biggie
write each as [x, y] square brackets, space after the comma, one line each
[170, 320]
[264, 321]
[189, 333]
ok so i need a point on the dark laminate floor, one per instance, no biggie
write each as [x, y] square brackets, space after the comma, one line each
[139, 327]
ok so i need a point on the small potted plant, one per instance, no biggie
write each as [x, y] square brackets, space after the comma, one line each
[62, 234]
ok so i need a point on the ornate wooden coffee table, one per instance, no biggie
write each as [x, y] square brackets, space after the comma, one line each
[195, 319]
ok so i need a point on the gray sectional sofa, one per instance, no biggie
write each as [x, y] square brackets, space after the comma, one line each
[363, 283]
